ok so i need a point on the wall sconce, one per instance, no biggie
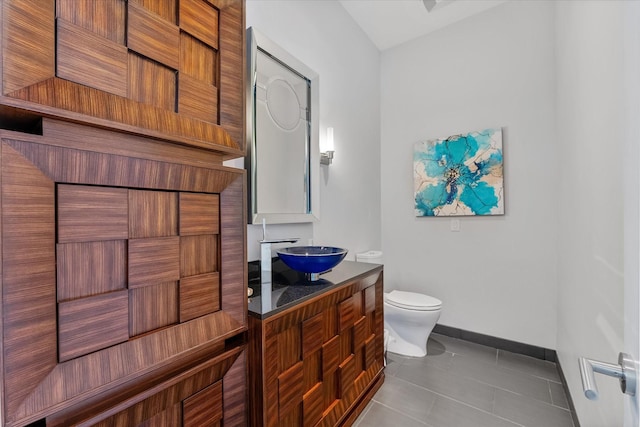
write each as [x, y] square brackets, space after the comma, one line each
[327, 149]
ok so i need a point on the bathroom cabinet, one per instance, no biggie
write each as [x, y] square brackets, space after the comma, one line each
[123, 272]
[170, 69]
[316, 350]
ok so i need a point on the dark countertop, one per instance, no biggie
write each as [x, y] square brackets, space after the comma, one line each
[289, 288]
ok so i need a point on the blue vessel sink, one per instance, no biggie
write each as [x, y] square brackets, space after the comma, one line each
[312, 260]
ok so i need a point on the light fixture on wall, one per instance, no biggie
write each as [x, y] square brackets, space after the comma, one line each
[327, 148]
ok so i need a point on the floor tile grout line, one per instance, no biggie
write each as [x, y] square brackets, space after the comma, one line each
[401, 413]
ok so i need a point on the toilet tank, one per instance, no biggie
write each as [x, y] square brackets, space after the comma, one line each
[372, 257]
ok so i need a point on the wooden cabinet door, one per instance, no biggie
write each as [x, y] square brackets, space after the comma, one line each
[120, 274]
[170, 69]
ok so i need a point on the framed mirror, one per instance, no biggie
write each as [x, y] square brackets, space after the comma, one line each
[283, 155]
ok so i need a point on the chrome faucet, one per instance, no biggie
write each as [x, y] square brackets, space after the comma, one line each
[265, 253]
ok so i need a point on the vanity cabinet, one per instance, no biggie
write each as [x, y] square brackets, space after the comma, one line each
[170, 69]
[317, 357]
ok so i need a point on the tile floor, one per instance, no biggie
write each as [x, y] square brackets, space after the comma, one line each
[462, 384]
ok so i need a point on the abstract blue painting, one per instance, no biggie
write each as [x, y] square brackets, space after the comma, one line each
[459, 175]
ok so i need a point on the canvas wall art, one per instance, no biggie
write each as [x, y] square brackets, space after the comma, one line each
[459, 175]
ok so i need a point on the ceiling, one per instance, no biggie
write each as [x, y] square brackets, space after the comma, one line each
[389, 23]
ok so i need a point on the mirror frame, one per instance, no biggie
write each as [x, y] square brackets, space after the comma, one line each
[255, 41]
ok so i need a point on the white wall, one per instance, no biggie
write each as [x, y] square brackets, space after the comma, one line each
[497, 276]
[324, 37]
[595, 93]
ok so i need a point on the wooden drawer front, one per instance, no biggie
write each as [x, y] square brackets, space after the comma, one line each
[321, 357]
[160, 68]
[92, 284]
[204, 408]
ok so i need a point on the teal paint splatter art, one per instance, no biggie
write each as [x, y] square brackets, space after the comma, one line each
[459, 175]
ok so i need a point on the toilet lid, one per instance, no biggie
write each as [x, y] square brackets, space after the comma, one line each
[413, 301]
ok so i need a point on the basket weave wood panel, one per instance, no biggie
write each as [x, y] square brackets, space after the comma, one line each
[120, 64]
[47, 186]
[317, 360]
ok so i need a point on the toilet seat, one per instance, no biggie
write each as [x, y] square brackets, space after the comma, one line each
[412, 301]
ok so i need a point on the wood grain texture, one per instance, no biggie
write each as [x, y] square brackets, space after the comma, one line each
[91, 60]
[87, 213]
[198, 60]
[71, 135]
[105, 18]
[338, 371]
[200, 19]
[290, 389]
[199, 214]
[166, 9]
[27, 60]
[199, 295]
[153, 261]
[198, 254]
[151, 83]
[93, 323]
[205, 407]
[28, 278]
[91, 268]
[150, 401]
[233, 250]
[152, 214]
[82, 167]
[152, 36]
[235, 393]
[198, 99]
[152, 307]
[93, 76]
[312, 406]
[232, 57]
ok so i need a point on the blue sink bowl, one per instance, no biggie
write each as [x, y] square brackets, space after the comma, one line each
[312, 259]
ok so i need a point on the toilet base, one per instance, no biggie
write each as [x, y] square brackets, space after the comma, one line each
[399, 346]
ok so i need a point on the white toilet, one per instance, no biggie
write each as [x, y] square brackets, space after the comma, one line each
[410, 317]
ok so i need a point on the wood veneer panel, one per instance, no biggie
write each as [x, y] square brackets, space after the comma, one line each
[198, 99]
[312, 406]
[152, 36]
[200, 19]
[199, 214]
[330, 356]
[145, 399]
[232, 56]
[27, 60]
[152, 214]
[152, 307]
[151, 83]
[312, 334]
[235, 393]
[28, 277]
[93, 323]
[91, 60]
[204, 408]
[346, 314]
[153, 261]
[78, 166]
[87, 213]
[198, 60]
[199, 295]
[290, 389]
[166, 8]
[233, 241]
[360, 332]
[198, 254]
[289, 348]
[105, 17]
[347, 374]
[91, 268]
[80, 103]
[170, 417]
[369, 299]
[71, 135]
